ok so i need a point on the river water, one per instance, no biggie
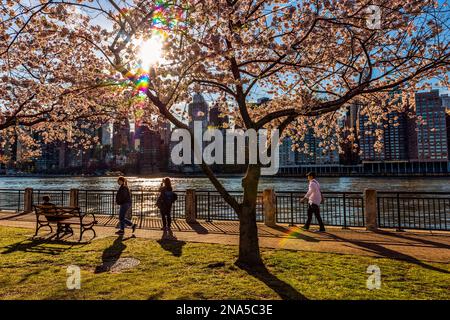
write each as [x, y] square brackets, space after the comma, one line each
[232, 183]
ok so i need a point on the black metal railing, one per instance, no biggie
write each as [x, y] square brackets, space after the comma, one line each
[143, 203]
[344, 209]
[399, 210]
[411, 210]
[57, 197]
[11, 200]
[210, 206]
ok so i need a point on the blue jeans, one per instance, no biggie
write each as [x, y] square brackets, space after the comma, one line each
[122, 213]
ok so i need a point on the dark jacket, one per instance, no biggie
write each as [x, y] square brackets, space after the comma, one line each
[166, 198]
[123, 195]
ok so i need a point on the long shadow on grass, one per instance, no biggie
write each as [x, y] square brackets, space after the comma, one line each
[283, 289]
[170, 243]
[389, 253]
[36, 246]
[112, 254]
[418, 239]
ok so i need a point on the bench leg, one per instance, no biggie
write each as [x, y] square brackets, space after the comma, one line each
[58, 231]
[39, 226]
[83, 230]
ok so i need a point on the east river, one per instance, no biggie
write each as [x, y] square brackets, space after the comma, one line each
[358, 184]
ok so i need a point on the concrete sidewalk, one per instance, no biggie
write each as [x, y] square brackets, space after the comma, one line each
[412, 246]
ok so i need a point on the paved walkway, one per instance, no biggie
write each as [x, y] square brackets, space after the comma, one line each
[415, 246]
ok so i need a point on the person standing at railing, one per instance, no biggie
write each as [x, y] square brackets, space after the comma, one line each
[314, 198]
[165, 201]
[123, 199]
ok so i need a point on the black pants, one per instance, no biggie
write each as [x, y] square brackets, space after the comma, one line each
[166, 218]
[314, 208]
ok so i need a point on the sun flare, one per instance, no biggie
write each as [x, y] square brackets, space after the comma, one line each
[150, 51]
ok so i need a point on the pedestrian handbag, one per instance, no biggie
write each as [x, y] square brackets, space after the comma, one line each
[129, 213]
[159, 202]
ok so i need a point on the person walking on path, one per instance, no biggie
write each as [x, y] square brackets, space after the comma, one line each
[123, 199]
[165, 201]
[314, 198]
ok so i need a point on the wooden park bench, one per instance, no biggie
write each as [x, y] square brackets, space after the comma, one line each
[64, 218]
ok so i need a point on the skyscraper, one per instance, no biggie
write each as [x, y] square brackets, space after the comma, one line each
[216, 120]
[198, 111]
[432, 133]
[150, 149]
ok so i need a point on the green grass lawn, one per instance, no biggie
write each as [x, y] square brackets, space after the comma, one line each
[178, 270]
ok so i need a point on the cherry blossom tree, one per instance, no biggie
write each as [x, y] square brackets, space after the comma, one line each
[53, 84]
[313, 58]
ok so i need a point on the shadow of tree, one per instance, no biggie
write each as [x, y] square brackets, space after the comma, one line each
[112, 254]
[197, 227]
[283, 289]
[418, 239]
[389, 253]
[170, 243]
[37, 246]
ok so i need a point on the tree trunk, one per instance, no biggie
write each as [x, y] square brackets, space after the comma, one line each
[248, 231]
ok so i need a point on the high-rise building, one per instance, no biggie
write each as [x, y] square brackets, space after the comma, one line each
[216, 120]
[367, 140]
[287, 155]
[350, 154]
[121, 137]
[432, 144]
[198, 111]
[107, 134]
[150, 150]
[395, 134]
[446, 105]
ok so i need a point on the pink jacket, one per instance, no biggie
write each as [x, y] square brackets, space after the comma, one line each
[314, 195]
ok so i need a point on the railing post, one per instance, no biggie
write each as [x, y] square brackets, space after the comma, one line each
[113, 203]
[269, 208]
[345, 211]
[399, 222]
[142, 209]
[292, 210]
[28, 200]
[18, 202]
[370, 208]
[208, 219]
[73, 198]
[190, 207]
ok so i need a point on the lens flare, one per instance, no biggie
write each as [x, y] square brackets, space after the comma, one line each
[291, 233]
[150, 51]
[164, 19]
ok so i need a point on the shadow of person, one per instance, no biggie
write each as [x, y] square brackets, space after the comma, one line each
[112, 254]
[170, 243]
[283, 289]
